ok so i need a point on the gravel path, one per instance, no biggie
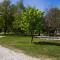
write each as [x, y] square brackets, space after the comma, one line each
[7, 54]
[48, 37]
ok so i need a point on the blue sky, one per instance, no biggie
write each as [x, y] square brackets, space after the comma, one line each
[40, 4]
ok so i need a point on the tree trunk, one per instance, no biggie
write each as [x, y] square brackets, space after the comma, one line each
[32, 37]
[5, 30]
[39, 33]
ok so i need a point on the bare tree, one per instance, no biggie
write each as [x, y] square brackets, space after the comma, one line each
[52, 19]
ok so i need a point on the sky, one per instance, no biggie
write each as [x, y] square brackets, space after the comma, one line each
[39, 4]
[42, 4]
[1, 0]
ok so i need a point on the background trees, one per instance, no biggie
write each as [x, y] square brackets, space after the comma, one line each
[52, 19]
[27, 21]
[8, 12]
[18, 17]
[7, 15]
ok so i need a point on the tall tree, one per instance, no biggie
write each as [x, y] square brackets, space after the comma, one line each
[7, 14]
[35, 18]
[30, 20]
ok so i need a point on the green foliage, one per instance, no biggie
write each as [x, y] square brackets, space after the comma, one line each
[20, 18]
[1, 22]
[30, 20]
[7, 15]
[33, 16]
[20, 23]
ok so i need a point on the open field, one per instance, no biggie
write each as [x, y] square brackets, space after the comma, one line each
[39, 47]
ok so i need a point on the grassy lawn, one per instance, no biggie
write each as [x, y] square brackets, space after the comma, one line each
[37, 48]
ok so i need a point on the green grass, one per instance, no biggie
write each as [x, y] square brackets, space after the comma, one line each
[41, 47]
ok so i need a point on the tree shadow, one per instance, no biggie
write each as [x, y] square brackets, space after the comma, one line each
[46, 43]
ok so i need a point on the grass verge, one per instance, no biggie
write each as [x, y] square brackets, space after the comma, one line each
[39, 47]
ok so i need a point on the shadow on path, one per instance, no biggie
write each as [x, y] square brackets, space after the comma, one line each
[47, 43]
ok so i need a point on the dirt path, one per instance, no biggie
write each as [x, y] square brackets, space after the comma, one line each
[7, 54]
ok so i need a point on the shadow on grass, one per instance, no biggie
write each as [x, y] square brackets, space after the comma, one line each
[46, 43]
